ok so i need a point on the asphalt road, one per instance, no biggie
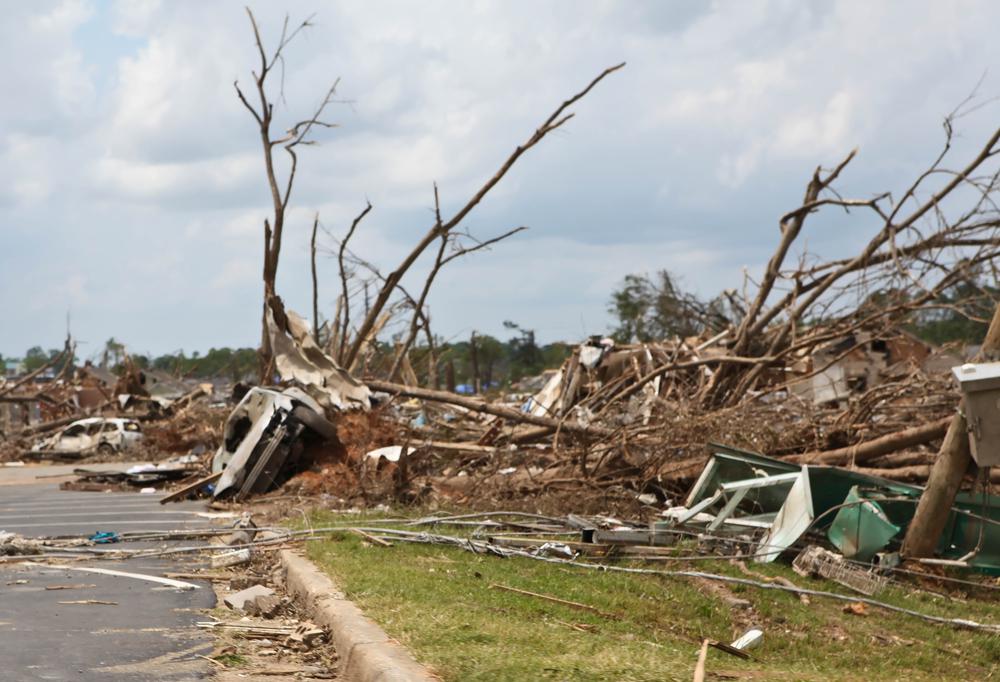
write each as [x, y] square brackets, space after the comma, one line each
[148, 635]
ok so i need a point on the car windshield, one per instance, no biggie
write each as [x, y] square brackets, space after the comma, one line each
[74, 430]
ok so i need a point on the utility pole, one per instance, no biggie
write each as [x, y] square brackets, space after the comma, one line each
[449, 375]
[474, 359]
[950, 467]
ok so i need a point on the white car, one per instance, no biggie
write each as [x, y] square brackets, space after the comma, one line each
[260, 441]
[95, 434]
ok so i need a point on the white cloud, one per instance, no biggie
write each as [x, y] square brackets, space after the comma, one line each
[159, 183]
[64, 17]
[135, 17]
[71, 289]
[234, 274]
[125, 147]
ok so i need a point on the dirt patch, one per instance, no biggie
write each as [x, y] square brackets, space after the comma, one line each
[339, 468]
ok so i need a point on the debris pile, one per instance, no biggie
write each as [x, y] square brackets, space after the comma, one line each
[12, 544]
[616, 427]
[147, 477]
[90, 414]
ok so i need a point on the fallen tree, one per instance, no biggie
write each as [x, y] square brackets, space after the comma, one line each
[869, 450]
[481, 406]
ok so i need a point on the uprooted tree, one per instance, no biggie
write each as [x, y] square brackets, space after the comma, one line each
[929, 249]
[940, 236]
[442, 227]
[931, 255]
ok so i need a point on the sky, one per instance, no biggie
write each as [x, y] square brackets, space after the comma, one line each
[132, 186]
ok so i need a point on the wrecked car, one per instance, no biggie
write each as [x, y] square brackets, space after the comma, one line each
[264, 439]
[96, 434]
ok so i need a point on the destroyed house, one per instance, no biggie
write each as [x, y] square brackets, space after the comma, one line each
[13, 368]
[91, 375]
[853, 364]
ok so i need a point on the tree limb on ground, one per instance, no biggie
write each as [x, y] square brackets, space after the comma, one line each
[479, 405]
[868, 450]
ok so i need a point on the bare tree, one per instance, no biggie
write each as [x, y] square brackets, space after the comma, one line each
[315, 279]
[280, 184]
[450, 248]
[345, 300]
[442, 228]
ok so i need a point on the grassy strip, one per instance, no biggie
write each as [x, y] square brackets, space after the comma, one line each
[438, 601]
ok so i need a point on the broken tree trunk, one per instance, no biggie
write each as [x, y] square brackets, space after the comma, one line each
[312, 251]
[45, 427]
[868, 450]
[478, 405]
[953, 460]
[913, 474]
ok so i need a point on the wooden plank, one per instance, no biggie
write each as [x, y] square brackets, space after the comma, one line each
[180, 493]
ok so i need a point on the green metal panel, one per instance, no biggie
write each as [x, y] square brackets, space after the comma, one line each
[836, 491]
[861, 528]
[730, 464]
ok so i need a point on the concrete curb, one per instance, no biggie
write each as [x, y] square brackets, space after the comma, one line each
[367, 654]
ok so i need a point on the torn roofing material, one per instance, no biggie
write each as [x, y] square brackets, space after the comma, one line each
[299, 360]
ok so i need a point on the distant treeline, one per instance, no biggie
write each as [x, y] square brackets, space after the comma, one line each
[644, 308]
[495, 363]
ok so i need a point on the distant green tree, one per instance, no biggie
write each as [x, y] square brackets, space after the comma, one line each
[961, 314]
[500, 363]
[227, 363]
[63, 363]
[34, 358]
[113, 354]
[554, 354]
[492, 355]
[656, 308]
[525, 355]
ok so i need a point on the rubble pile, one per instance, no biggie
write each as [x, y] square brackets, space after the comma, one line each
[12, 544]
[617, 426]
[89, 414]
[611, 427]
[198, 428]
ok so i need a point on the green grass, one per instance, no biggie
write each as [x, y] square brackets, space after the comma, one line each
[438, 602]
[231, 660]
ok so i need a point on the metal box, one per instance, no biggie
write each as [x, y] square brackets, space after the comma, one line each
[981, 387]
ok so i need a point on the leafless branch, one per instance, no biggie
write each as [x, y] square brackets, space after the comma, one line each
[555, 120]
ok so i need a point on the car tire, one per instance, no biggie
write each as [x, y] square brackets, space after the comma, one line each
[106, 449]
[315, 422]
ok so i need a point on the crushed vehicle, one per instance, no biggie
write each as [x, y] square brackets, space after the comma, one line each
[264, 439]
[93, 435]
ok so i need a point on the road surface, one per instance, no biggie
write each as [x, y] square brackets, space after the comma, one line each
[148, 635]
